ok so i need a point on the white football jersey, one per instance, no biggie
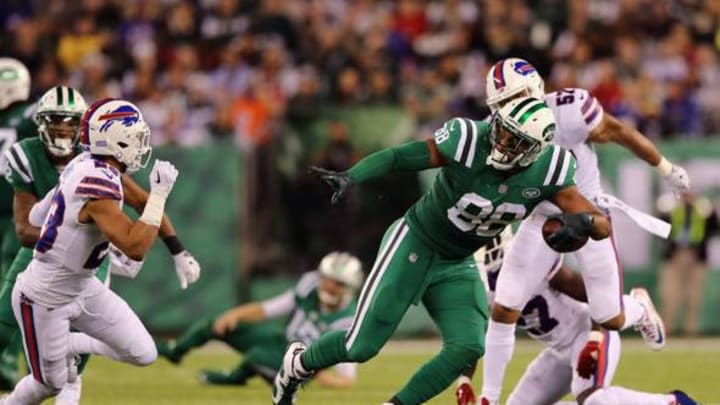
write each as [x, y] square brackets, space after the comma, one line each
[550, 316]
[577, 113]
[68, 252]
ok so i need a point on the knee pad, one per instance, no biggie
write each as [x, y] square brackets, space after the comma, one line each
[464, 354]
[143, 354]
[54, 378]
[602, 396]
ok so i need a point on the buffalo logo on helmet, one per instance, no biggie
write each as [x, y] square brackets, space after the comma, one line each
[523, 68]
[125, 114]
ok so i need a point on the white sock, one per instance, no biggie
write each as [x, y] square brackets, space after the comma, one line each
[624, 396]
[29, 391]
[634, 312]
[80, 343]
[463, 379]
[70, 393]
[499, 345]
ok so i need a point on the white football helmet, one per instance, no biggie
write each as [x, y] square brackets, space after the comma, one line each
[59, 106]
[14, 82]
[509, 78]
[114, 127]
[519, 132]
[344, 268]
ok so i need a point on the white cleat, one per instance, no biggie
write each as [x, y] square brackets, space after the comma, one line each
[651, 326]
[291, 375]
[70, 393]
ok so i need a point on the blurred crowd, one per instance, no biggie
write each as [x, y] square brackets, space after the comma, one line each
[207, 69]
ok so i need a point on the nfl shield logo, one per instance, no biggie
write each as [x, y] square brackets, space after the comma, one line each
[503, 189]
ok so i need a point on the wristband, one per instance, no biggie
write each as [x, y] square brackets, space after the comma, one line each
[664, 167]
[173, 244]
[154, 209]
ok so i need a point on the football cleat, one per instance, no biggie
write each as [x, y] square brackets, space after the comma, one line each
[214, 377]
[167, 350]
[651, 326]
[485, 401]
[465, 395]
[682, 398]
[291, 375]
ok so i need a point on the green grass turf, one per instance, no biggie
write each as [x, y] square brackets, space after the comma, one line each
[690, 365]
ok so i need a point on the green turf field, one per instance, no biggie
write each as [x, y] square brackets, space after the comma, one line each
[690, 365]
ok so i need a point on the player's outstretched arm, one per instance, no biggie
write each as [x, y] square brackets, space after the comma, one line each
[581, 215]
[274, 307]
[412, 156]
[23, 202]
[613, 130]
[186, 266]
[330, 379]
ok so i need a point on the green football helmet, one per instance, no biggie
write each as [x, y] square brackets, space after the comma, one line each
[14, 82]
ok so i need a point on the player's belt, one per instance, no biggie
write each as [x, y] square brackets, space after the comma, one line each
[655, 226]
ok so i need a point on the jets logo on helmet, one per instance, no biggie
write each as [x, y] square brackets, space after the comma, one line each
[126, 114]
[116, 128]
[520, 131]
[58, 116]
[14, 82]
[511, 78]
[343, 268]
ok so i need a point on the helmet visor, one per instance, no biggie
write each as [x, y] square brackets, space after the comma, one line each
[60, 132]
[510, 144]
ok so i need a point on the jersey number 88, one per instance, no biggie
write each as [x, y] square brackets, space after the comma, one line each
[475, 213]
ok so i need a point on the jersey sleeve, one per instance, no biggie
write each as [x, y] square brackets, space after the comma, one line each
[560, 169]
[577, 112]
[18, 172]
[459, 141]
[94, 186]
[280, 305]
[307, 284]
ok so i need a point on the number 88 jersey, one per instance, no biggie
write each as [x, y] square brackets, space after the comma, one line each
[470, 201]
[69, 252]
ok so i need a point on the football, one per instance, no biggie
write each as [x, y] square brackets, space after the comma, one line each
[551, 226]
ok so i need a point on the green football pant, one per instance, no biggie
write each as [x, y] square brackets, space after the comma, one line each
[261, 344]
[9, 244]
[405, 272]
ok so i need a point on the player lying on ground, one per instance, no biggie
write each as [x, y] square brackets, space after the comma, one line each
[33, 171]
[59, 289]
[560, 321]
[15, 123]
[581, 123]
[323, 300]
[492, 174]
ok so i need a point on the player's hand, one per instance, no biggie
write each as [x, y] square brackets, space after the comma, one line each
[589, 355]
[224, 324]
[574, 232]
[187, 268]
[678, 180]
[465, 395]
[162, 177]
[338, 181]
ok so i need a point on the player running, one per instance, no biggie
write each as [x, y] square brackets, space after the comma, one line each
[561, 322]
[492, 174]
[322, 301]
[581, 123]
[15, 123]
[59, 289]
[34, 166]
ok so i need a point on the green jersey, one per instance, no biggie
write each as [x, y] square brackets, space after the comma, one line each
[30, 169]
[16, 123]
[308, 322]
[470, 201]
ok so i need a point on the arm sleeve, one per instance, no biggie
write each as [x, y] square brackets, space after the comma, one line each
[18, 171]
[100, 188]
[278, 306]
[348, 370]
[40, 209]
[410, 156]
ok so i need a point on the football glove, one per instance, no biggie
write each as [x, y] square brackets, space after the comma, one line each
[162, 178]
[187, 268]
[575, 231]
[678, 180]
[589, 355]
[121, 265]
[338, 181]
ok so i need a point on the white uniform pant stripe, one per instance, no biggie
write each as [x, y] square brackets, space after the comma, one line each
[372, 286]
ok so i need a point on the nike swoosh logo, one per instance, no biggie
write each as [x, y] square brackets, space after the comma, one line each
[157, 180]
[109, 175]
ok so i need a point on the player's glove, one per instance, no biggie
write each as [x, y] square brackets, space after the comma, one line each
[121, 265]
[574, 232]
[338, 181]
[162, 178]
[465, 394]
[589, 355]
[678, 180]
[187, 268]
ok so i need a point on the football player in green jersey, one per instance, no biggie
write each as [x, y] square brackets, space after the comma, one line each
[15, 123]
[492, 175]
[323, 300]
[33, 168]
